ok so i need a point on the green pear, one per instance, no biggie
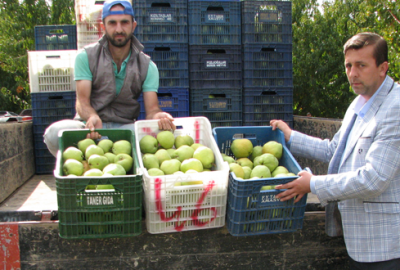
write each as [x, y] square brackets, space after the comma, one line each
[268, 187]
[110, 156]
[72, 166]
[83, 144]
[166, 139]
[72, 153]
[99, 187]
[125, 161]
[150, 161]
[196, 145]
[171, 151]
[93, 149]
[183, 152]
[257, 161]
[242, 148]
[106, 144]
[205, 155]
[122, 146]
[155, 172]
[245, 162]
[260, 171]
[148, 144]
[257, 151]
[193, 164]
[228, 159]
[269, 160]
[96, 161]
[162, 155]
[291, 174]
[274, 148]
[183, 140]
[247, 172]
[178, 173]
[279, 170]
[93, 172]
[236, 169]
[189, 183]
[191, 171]
[170, 166]
[114, 169]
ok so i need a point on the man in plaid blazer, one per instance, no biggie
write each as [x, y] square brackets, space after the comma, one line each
[364, 160]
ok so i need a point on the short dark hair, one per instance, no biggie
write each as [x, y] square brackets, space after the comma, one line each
[361, 40]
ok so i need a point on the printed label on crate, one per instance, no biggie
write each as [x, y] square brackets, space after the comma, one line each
[166, 103]
[219, 104]
[270, 198]
[216, 63]
[161, 17]
[215, 17]
[268, 16]
[100, 200]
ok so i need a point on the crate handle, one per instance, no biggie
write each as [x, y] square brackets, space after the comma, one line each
[213, 51]
[164, 95]
[162, 49]
[155, 4]
[268, 49]
[99, 2]
[215, 8]
[53, 56]
[212, 95]
[56, 97]
[268, 93]
[56, 31]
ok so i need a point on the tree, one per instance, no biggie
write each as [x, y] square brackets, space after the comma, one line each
[17, 23]
[320, 82]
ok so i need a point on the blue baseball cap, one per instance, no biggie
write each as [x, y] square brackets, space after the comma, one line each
[128, 10]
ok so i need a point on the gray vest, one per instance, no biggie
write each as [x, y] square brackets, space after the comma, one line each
[123, 108]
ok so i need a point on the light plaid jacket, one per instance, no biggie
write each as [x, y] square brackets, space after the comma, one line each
[367, 186]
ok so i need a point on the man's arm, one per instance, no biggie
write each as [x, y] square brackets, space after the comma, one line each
[85, 109]
[153, 111]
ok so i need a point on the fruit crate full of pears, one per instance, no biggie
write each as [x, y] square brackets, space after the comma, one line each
[99, 185]
[185, 179]
[258, 161]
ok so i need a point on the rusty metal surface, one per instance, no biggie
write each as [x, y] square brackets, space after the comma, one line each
[9, 247]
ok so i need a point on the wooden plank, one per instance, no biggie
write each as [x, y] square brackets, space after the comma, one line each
[310, 248]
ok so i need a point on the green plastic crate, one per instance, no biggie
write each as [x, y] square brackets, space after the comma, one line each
[98, 213]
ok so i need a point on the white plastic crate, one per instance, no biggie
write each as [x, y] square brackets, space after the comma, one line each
[171, 208]
[88, 21]
[51, 71]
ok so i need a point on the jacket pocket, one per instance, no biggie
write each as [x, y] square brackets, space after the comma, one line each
[382, 207]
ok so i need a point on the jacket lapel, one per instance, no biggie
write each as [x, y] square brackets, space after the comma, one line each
[362, 125]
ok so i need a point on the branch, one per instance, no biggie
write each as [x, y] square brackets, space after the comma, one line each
[394, 17]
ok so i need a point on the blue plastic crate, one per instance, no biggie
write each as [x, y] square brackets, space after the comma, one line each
[161, 21]
[172, 63]
[252, 211]
[214, 66]
[222, 106]
[45, 162]
[260, 105]
[173, 101]
[55, 37]
[214, 22]
[266, 22]
[49, 107]
[267, 65]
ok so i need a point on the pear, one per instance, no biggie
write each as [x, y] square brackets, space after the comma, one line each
[106, 145]
[150, 161]
[241, 148]
[183, 140]
[148, 144]
[166, 139]
[122, 146]
[205, 155]
[183, 152]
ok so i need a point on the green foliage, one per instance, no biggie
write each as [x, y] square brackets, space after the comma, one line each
[17, 23]
[320, 82]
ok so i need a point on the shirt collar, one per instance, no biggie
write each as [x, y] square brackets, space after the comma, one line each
[362, 106]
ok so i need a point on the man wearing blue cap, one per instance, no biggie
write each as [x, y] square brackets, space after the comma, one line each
[110, 76]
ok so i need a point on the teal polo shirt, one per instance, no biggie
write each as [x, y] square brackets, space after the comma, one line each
[82, 72]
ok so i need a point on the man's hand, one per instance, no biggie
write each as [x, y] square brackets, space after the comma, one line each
[94, 122]
[287, 131]
[297, 188]
[166, 121]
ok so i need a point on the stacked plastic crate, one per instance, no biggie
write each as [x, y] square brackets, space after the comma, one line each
[89, 26]
[267, 62]
[215, 63]
[53, 97]
[162, 27]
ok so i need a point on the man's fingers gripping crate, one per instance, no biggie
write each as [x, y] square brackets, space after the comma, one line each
[185, 202]
[252, 207]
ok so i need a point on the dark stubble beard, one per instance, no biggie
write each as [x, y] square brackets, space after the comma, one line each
[118, 44]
